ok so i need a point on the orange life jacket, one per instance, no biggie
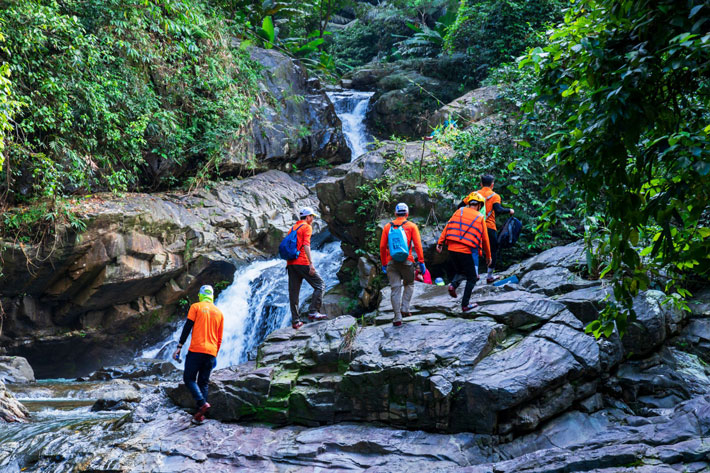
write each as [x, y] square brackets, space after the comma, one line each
[462, 228]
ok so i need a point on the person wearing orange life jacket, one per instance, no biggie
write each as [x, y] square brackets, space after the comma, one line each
[493, 208]
[465, 236]
[401, 273]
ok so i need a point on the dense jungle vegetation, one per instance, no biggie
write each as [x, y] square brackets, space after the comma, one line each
[604, 132]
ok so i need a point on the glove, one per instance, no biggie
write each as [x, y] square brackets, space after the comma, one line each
[422, 268]
[384, 269]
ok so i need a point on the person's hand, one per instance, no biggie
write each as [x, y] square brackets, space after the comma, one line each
[384, 269]
[489, 261]
[439, 248]
[312, 270]
[176, 355]
[512, 211]
[422, 268]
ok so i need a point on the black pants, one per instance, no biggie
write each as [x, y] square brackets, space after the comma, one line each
[465, 269]
[296, 274]
[493, 240]
[198, 365]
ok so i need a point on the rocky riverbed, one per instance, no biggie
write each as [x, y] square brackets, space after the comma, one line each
[515, 386]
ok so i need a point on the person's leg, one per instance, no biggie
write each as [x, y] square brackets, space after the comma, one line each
[318, 286]
[395, 280]
[207, 364]
[407, 272]
[493, 240]
[192, 366]
[469, 270]
[294, 290]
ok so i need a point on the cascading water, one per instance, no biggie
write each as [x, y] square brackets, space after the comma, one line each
[351, 106]
[256, 304]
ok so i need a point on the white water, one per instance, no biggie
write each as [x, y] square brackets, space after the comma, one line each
[351, 106]
[256, 304]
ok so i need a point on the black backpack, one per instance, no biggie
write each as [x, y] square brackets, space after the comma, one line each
[510, 233]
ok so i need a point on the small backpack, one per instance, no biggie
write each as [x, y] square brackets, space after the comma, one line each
[288, 248]
[397, 242]
[510, 233]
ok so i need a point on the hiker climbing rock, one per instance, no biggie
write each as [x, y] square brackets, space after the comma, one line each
[493, 208]
[206, 322]
[397, 260]
[465, 236]
[296, 249]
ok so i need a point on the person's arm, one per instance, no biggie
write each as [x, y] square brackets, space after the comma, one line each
[186, 329]
[500, 210]
[220, 332]
[311, 268]
[417, 243]
[383, 246]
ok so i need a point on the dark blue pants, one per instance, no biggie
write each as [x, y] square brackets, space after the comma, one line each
[198, 366]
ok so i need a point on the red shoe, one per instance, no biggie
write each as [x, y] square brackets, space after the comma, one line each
[452, 291]
[297, 325]
[200, 414]
[492, 279]
[317, 316]
[397, 323]
[406, 314]
[469, 307]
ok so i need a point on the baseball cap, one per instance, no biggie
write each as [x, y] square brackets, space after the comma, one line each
[306, 211]
[401, 209]
[206, 293]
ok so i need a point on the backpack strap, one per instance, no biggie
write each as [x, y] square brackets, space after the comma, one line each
[488, 214]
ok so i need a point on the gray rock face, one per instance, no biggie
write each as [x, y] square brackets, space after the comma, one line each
[586, 303]
[571, 257]
[654, 322]
[296, 123]
[142, 368]
[10, 409]
[554, 280]
[139, 255]
[15, 369]
[470, 107]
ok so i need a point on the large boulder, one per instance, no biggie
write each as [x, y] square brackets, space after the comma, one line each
[469, 108]
[295, 123]
[655, 321]
[16, 369]
[91, 297]
[10, 409]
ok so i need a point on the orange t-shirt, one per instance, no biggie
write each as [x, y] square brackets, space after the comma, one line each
[208, 328]
[486, 192]
[413, 237]
[303, 237]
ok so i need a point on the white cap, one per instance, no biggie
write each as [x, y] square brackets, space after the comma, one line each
[306, 211]
[401, 209]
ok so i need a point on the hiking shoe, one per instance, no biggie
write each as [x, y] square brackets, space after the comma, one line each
[452, 291]
[317, 316]
[397, 323]
[297, 325]
[197, 419]
[406, 314]
[200, 414]
[492, 279]
[469, 307]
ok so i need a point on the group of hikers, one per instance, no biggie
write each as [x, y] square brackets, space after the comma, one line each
[469, 234]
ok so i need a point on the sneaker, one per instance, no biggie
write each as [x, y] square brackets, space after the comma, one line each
[200, 414]
[297, 325]
[492, 279]
[452, 291]
[317, 316]
[469, 307]
[406, 314]
[197, 419]
[397, 323]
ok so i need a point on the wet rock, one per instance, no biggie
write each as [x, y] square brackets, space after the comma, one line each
[586, 303]
[300, 128]
[554, 280]
[470, 107]
[16, 369]
[10, 409]
[115, 391]
[142, 368]
[571, 257]
[655, 321]
[695, 338]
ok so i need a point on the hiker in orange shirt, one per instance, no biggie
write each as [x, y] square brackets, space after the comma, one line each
[493, 208]
[206, 322]
[397, 260]
[465, 236]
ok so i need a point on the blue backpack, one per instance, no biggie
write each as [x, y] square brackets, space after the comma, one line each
[510, 233]
[397, 242]
[288, 248]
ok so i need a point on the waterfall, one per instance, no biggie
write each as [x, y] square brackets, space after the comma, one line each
[256, 304]
[351, 106]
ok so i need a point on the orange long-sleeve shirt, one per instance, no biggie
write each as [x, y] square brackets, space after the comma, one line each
[208, 329]
[413, 238]
[459, 247]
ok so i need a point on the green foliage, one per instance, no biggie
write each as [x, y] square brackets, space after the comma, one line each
[631, 82]
[358, 44]
[8, 105]
[119, 94]
[491, 32]
[33, 224]
[426, 41]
